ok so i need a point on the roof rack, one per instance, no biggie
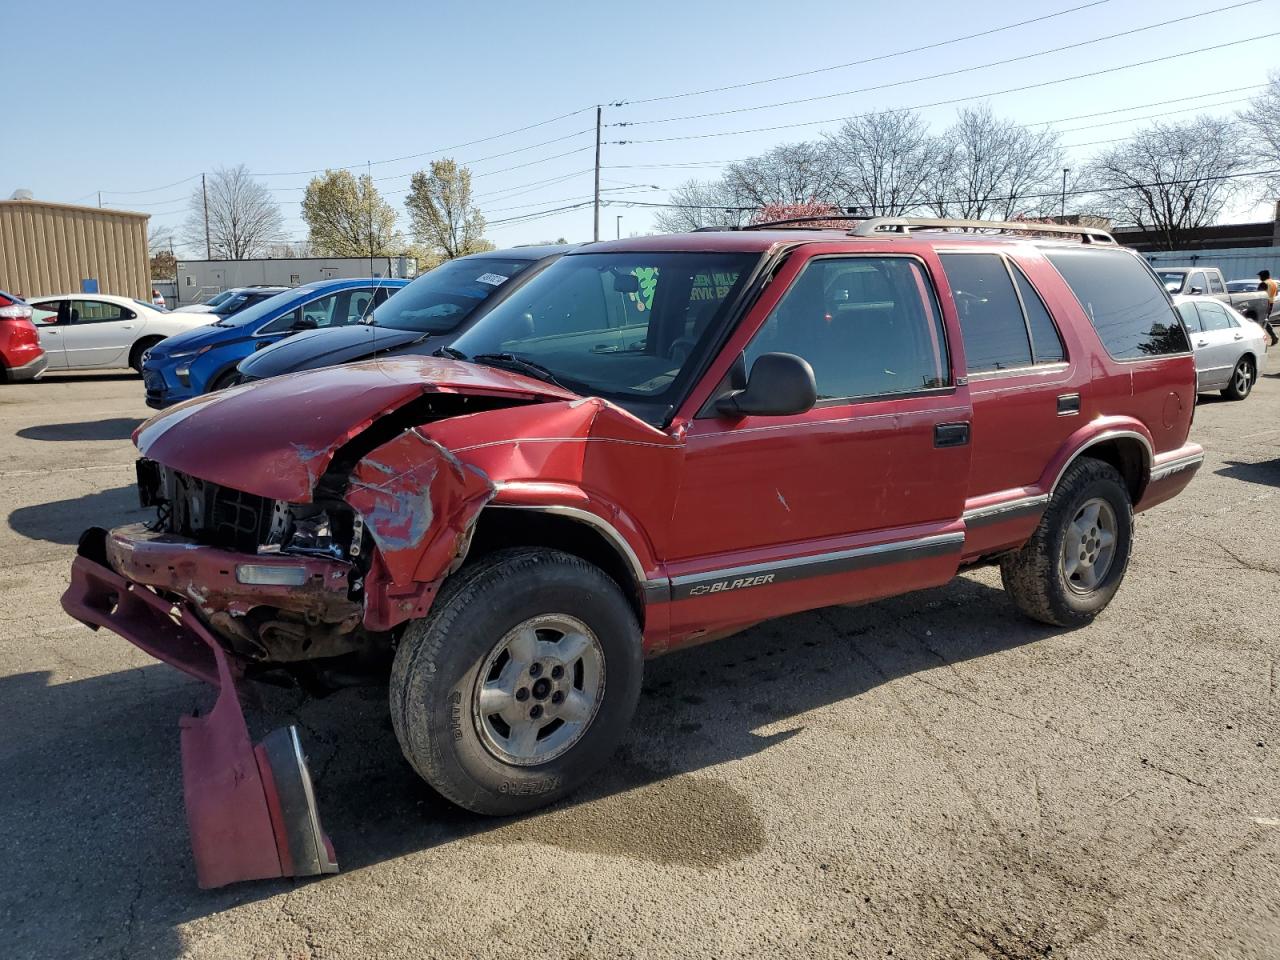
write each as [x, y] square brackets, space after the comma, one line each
[792, 221]
[877, 226]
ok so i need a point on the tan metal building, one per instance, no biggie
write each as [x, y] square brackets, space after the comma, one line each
[49, 248]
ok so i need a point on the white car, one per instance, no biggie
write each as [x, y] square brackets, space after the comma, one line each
[90, 331]
[1230, 349]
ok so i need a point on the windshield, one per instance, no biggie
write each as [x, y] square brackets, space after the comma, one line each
[259, 311]
[618, 325]
[1242, 286]
[218, 298]
[439, 301]
[1172, 280]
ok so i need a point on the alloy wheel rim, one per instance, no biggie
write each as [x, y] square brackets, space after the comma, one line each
[1244, 379]
[539, 689]
[1089, 546]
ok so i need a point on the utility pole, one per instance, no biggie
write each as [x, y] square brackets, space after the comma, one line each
[596, 232]
[1065, 171]
[99, 198]
[208, 248]
[619, 226]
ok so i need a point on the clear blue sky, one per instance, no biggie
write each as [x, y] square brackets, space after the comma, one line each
[128, 96]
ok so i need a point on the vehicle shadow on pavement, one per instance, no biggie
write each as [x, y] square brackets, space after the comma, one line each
[90, 783]
[62, 521]
[118, 428]
[1267, 472]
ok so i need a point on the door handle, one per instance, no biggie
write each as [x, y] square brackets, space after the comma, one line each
[126, 326]
[1238, 336]
[951, 434]
[1068, 404]
[1202, 343]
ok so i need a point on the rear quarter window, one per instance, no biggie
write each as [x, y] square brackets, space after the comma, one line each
[1124, 301]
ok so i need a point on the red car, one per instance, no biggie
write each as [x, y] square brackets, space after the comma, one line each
[21, 356]
[654, 443]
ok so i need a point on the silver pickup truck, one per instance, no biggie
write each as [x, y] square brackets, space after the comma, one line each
[1208, 281]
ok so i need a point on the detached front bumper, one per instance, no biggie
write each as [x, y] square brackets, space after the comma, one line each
[251, 810]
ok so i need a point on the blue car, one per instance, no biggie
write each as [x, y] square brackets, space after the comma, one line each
[205, 358]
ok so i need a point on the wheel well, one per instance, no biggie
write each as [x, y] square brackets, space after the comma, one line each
[498, 528]
[1129, 458]
[145, 343]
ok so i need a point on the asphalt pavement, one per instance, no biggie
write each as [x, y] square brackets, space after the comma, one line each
[930, 776]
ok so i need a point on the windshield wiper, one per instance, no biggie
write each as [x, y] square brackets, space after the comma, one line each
[520, 364]
[448, 352]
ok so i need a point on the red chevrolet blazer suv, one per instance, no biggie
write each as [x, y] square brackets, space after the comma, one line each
[654, 443]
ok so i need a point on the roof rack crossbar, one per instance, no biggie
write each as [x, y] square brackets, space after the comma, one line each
[817, 218]
[877, 226]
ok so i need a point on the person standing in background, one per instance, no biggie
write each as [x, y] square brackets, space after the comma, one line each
[1271, 288]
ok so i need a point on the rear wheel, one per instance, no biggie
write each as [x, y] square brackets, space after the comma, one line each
[1242, 379]
[1072, 566]
[520, 683]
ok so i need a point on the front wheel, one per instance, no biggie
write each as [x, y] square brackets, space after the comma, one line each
[520, 683]
[1072, 566]
[1242, 379]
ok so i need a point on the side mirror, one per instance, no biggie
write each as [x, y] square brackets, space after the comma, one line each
[780, 384]
[1196, 291]
[306, 323]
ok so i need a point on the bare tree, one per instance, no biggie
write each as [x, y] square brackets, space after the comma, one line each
[701, 203]
[1261, 121]
[243, 217]
[993, 168]
[789, 173]
[1172, 178]
[443, 218]
[884, 162]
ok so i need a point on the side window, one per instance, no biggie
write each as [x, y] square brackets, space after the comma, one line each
[45, 314]
[995, 334]
[1215, 284]
[1123, 300]
[1213, 317]
[283, 323]
[1191, 319]
[1046, 342]
[1196, 283]
[869, 326]
[98, 311]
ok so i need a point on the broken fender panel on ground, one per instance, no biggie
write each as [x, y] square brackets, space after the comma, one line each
[251, 811]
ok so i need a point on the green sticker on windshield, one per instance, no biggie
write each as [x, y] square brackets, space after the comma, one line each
[648, 277]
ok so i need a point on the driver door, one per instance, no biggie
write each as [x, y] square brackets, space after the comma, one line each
[859, 497]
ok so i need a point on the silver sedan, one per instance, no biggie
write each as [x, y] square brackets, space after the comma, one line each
[1230, 350]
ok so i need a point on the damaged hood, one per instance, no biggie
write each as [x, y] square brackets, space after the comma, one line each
[275, 438]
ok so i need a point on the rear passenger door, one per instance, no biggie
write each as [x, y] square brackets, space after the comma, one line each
[859, 497]
[1191, 320]
[1026, 397]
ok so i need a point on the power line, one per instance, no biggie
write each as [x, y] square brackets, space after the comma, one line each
[1026, 196]
[857, 63]
[433, 150]
[1004, 61]
[954, 100]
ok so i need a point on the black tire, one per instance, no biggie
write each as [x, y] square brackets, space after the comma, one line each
[228, 378]
[1036, 577]
[439, 659]
[139, 348]
[1243, 378]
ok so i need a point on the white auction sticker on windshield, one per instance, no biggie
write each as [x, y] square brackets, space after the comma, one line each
[494, 279]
